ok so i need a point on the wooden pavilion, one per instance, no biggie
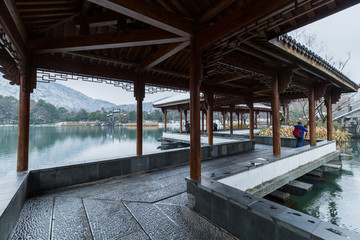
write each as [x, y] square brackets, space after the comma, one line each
[228, 48]
[220, 105]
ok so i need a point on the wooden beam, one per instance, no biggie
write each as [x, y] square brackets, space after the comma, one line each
[251, 119]
[214, 10]
[78, 67]
[249, 13]
[101, 19]
[132, 38]
[224, 79]
[329, 123]
[139, 94]
[11, 30]
[163, 53]
[16, 18]
[150, 13]
[210, 117]
[247, 63]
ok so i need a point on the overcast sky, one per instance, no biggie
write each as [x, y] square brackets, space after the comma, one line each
[339, 33]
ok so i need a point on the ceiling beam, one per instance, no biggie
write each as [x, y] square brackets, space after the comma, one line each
[223, 79]
[163, 53]
[11, 30]
[86, 68]
[214, 10]
[132, 38]
[101, 19]
[150, 13]
[249, 13]
[247, 63]
[16, 18]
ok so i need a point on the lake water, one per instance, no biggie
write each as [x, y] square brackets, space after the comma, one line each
[335, 199]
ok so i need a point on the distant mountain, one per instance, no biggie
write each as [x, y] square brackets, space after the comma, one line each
[58, 95]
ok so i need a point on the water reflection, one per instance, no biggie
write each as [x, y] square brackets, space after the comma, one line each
[333, 198]
[54, 146]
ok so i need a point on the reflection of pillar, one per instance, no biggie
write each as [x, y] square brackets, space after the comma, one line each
[209, 118]
[224, 120]
[251, 119]
[276, 117]
[231, 122]
[23, 129]
[195, 144]
[180, 111]
[139, 92]
[242, 120]
[312, 117]
[238, 117]
[202, 119]
[329, 115]
[165, 113]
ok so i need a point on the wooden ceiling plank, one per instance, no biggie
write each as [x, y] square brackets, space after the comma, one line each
[222, 79]
[247, 63]
[104, 41]
[163, 53]
[16, 18]
[150, 13]
[215, 9]
[247, 14]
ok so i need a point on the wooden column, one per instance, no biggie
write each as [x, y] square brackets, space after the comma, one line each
[242, 120]
[231, 122]
[24, 127]
[288, 114]
[267, 118]
[224, 120]
[271, 118]
[210, 118]
[180, 111]
[276, 117]
[202, 119]
[256, 119]
[284, 111]
[238, 117]
[251, 119]
[312, 119]
[195, 143]
[165, 113]
[139, 93]
[329, 124]
[185, 114]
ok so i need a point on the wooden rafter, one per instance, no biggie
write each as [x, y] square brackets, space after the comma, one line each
[162, 54]
[215, 9]
[150, 13]
[16, 18]
[103, 41]
[249, 13]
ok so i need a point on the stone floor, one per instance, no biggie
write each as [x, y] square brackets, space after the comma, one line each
[145, 206]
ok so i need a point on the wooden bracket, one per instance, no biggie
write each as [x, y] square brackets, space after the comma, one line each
[139, 89]
[285, 79]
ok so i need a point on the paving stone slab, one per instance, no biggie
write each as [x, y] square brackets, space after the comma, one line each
[70, 221]
[140, 235]
[35, 219]
[180, 199]
[154, 222]
[110, 219]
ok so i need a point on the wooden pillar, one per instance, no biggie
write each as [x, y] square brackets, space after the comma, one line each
[139, 93]
[288, 114]
[276, 117]
[267, 118]
[251, 119]
[180, 111]
[284, 111]
[224, 120]
[238, 117]
[165, 113]
[256, 119]
[242, 120]
[209, 118]
[271, 118]
[312, 119]
[202, 119]
[185, 114]
[329, 115]
[24, 127]
[231, 122]
[195, 143]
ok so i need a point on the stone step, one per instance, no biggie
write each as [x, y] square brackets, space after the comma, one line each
[328, 167]
[344, 156]
[297, 188]
[337, 162]
[283, 196]
[315, 173]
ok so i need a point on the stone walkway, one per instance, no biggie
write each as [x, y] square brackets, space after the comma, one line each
[146, 206]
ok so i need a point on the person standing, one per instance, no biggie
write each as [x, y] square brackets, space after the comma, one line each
[299, 134]
[187, 127]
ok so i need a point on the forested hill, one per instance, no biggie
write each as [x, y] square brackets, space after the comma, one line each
[58, 95]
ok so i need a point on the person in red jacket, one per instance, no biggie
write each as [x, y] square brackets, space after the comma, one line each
[299, 134]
